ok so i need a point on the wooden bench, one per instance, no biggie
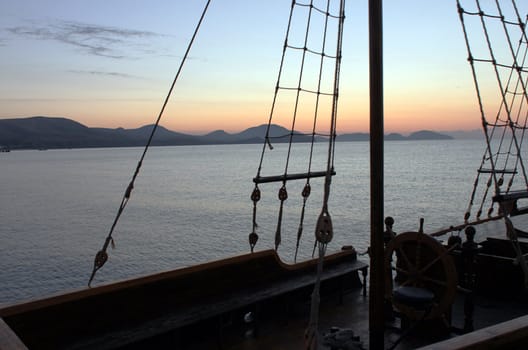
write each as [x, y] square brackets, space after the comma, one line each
[126, 312]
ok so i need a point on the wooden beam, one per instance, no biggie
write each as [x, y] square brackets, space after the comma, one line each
[377, 280]
[511, 334]
[288, 177]
[8, 339]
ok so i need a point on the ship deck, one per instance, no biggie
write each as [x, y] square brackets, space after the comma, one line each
[280, 332]
[274, 322]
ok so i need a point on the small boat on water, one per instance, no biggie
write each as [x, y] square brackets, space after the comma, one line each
[423, 291]
[5, 149]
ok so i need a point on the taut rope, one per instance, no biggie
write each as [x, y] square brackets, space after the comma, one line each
[308, 84]
[504, 55]
[102, 256]
[502, 156]
[324, 231]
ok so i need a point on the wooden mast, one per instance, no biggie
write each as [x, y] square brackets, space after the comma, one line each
[377, 287]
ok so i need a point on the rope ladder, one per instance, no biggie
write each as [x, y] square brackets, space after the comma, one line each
[497, 45]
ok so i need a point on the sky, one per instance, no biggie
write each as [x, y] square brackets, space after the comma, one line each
[110, 63]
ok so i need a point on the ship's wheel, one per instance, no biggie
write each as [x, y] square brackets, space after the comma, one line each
[420, 261]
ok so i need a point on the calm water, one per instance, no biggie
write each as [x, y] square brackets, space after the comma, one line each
[191, 205]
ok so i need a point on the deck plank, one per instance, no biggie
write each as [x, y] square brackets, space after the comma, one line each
[505, 335]
[8, 338]
[134, 310]
[215, 307]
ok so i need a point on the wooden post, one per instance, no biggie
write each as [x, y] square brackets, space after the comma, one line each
[377, 288]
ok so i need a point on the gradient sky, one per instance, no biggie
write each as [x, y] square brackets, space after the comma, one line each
[109, 63]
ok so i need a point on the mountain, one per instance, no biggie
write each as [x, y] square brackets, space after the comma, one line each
[277, 134]
[47, 132]
[419, 135]
[395, 137]
[51, 132]
[358, 136]
[43, 132]
[219, 136]
[466, 135]
[428, 135]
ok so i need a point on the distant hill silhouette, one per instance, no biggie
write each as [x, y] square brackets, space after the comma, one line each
[51, 132]
[419, 135]
[357, 136]
[466, 134]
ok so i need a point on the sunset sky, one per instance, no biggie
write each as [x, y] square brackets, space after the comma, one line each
[109, 63]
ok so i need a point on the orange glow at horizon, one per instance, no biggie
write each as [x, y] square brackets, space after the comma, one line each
[229, 84]
[407, 109]
[401, 115]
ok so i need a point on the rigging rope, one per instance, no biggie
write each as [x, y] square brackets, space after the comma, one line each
[511, 76]
[102, 256]
[503, 156]
[300, 88]
[324, 230]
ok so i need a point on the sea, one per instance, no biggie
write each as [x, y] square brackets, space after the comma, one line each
[191, 204]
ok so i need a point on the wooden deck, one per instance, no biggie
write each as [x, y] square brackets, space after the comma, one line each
[176, 304]
[264, 305]
[8, 338]
[506, 335]
[352, 313]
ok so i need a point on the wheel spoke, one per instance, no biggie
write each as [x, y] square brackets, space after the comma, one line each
[434, 281]
[406, 282]
[423, 262]
[410, 266]
[399, 269]
[441, 256]
[418, 256]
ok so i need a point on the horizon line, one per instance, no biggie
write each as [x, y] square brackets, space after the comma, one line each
[205, 132]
